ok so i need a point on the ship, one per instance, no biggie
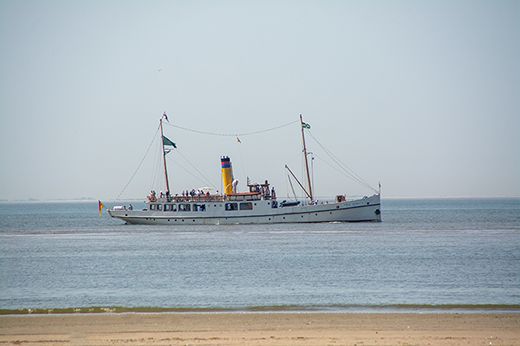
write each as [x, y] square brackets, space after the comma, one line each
[257, 205]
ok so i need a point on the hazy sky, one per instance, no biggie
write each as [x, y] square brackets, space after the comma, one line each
[423, 96]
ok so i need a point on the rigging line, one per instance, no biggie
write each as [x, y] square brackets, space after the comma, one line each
[337, 160]
[204, 178]
[292, 187]
[339, 170]
[156, 169]
[347, 169]
[190, 173]
[232, 134]
[140, 163]
[343, 171]
[346, 173]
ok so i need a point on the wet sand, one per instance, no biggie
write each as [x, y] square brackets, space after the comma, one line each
[261, 329]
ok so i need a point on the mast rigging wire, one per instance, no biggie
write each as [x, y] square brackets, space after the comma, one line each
[204, 178]
[347, 170]
[190, 173]
[292, 187]
[156, 169]
[242, 134]
[140, 163]
[344, 168]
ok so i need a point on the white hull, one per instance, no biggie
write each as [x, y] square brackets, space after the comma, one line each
[365, 209]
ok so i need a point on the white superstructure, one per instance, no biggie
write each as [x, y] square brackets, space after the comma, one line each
[197, 212]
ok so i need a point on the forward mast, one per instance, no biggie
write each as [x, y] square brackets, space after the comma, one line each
[164, 158]
[303, 126]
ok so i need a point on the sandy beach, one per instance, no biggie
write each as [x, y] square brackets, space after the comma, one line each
[261, 329]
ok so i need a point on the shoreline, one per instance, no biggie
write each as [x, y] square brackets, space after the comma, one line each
[261, 329]
[333, 308]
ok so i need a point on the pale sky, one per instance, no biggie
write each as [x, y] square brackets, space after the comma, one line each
[423, 96]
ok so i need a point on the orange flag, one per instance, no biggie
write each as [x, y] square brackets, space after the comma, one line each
[100, 207]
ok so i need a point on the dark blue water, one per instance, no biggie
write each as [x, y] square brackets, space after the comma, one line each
[425, 252]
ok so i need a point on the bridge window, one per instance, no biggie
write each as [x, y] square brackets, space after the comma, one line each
[231, 206]
[184, 207]
[170, 207]
[199, 207]
[246, 206]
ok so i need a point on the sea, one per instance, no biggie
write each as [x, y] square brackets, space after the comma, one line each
[427, 254]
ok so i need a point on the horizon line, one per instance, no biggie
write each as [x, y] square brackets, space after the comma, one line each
[90, 199]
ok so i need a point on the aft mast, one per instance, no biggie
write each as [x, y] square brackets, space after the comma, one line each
[164, 157]
[304, 125]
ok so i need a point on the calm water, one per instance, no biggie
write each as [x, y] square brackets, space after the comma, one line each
[426, 252]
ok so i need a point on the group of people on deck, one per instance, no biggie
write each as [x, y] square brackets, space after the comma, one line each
[152, 197]
[186, 194]
[263, 189]
[193, 193]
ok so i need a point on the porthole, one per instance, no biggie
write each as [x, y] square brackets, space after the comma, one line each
[377, 211]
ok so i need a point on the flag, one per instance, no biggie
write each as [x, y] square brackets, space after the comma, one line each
[238, 140]
[100, 207]
[166, 141]
[306, 126]
[165, 116]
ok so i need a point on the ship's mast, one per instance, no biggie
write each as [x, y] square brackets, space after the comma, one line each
[306, 161]
[164, 158]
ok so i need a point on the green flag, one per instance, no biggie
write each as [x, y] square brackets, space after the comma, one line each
[306, 126]
[166, 141]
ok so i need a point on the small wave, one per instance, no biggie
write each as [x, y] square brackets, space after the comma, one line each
[338, 308]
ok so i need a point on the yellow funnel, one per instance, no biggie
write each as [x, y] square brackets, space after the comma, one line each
[227, 175]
